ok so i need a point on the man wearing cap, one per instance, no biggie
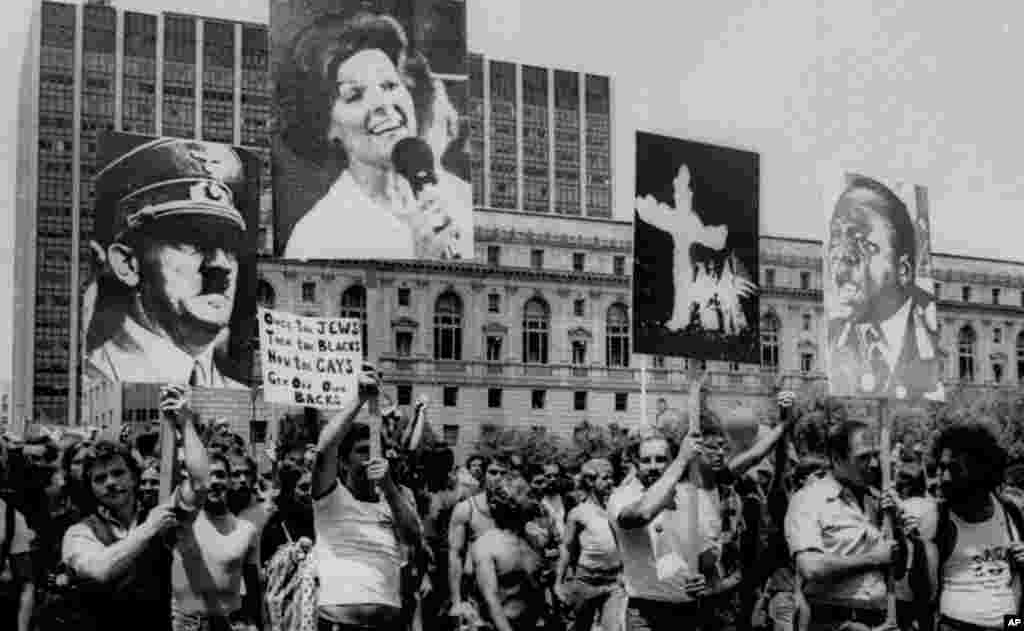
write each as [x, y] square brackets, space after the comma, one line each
[170, 260]
[882, 329]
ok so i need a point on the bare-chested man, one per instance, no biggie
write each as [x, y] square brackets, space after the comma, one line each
[210, 554]
[509, 563]
[471, 518]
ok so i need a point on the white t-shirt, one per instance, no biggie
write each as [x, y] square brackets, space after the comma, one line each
[357, 552]
[653, 555]
[348, 224]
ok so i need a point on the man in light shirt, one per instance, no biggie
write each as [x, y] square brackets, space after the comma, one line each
[833, 533]
[161, 310]
[882, 329]
[650, 530]
[362, 520]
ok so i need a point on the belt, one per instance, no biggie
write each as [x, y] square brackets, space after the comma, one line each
[839, 613]
[959, 625]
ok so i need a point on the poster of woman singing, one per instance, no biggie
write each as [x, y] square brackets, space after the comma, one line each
[369, 148]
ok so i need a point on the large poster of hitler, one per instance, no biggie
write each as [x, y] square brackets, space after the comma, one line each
[883, 329]
[369, 138]
[172, 294]
[695, 250]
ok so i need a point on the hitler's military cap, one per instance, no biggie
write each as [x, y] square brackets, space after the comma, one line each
[156, 179]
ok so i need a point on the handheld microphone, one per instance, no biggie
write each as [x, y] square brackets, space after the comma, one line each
[414, 160]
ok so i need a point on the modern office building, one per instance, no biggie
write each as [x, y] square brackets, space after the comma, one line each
[97, 67]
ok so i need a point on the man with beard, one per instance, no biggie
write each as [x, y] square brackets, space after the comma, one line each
[119, 554]
[471, 518]
[509, 561]
[882, 329]
[974, 551]
[831, 528]
[650, 530]
[722, 526]
[362, 520]
[170, 263]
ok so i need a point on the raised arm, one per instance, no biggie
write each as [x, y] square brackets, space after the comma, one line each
[407, 522]
[656, 498]
[742, 462]
[325, 466]
[174, 406]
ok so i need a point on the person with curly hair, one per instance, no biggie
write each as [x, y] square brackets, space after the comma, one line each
[973, 545]
[509, 560]
[352, 89]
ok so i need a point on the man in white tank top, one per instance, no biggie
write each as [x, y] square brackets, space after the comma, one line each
[362, 519]
[976, 554]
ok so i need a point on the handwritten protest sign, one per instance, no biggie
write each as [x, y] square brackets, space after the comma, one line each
[313, 362]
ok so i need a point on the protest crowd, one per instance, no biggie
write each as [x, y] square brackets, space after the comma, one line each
[674, 530]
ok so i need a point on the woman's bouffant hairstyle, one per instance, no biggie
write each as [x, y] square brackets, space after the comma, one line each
[307, 84]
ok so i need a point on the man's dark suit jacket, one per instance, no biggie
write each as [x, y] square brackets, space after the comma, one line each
[917, 372]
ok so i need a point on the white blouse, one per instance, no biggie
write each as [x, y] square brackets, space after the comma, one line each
[348, 224]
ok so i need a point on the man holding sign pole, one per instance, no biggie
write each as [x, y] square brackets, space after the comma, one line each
[362, 519]
[122, 554]
[840, 553]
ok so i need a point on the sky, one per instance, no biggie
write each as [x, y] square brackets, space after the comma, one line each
[913, 89]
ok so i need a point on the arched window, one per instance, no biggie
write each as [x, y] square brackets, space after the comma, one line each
[1020, 357]
[353, 305]
[536, 323]
[265, 295]
[448, 326]
[617, 336]
[966, 341]
[770, 326]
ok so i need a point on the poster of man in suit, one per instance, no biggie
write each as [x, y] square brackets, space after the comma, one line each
[695, 250]
[883, 338]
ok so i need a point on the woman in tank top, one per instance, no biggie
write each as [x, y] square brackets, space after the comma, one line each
[590, 568]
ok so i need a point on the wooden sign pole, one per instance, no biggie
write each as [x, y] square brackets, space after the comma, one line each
[693, 501]
[168, 456]
[375, 423]
[885, 457]
[644, 421]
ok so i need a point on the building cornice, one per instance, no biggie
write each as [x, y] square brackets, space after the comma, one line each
[456, 268]
[552, 239]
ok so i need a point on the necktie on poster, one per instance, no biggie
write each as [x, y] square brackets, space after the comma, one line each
[309, 361]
